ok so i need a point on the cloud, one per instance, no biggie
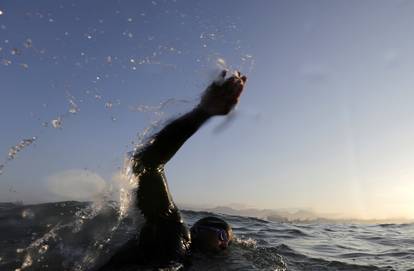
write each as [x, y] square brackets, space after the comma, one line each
[76, 184]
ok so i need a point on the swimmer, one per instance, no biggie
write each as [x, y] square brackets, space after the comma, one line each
[164, 238]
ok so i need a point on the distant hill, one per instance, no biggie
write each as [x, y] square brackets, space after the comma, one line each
[268, 214]
[294, 215]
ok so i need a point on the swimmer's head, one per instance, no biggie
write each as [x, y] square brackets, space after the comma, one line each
[211, 234]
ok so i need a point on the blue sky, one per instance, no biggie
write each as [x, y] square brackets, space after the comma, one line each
[325, 122]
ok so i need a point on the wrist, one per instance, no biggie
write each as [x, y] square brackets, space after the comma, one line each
[202, 112]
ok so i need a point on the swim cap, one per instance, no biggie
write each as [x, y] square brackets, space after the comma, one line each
[215, 224]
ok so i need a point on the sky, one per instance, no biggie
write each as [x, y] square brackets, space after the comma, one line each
[324, 124]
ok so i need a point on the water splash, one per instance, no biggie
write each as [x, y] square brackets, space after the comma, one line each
[13, 151]
[128, 183]
[246, 66]
[159, 115]
[221, 64]
[158, 109]
[247, 243]
[60, 236]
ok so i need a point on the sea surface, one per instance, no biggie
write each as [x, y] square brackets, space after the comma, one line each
[82, 236]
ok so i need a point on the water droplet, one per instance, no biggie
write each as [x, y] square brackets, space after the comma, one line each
[15, 51]
[28, 43]
[27, 262]
[130, 35]
[27, 213]
[24, 66]
[43, 249]
[1, 12]
[57, 123]
[6, 62]
[130, 20]
[108, 105]
[109, 59]
[221, 63]
[51, 20]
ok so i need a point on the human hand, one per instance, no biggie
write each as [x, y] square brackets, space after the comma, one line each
[221, 97]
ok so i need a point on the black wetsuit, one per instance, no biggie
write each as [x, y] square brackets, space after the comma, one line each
[164, 238]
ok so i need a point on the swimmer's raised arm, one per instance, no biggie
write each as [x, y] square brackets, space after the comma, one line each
[164, 238]
[218, 99]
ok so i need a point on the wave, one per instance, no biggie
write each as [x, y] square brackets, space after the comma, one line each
[83, 235]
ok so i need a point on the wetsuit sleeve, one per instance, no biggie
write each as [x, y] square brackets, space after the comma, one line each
[154, 198]
[168, 141]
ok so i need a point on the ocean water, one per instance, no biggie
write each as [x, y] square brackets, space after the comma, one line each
[81, 236]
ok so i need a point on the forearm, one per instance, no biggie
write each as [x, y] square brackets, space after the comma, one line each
[168, 141]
